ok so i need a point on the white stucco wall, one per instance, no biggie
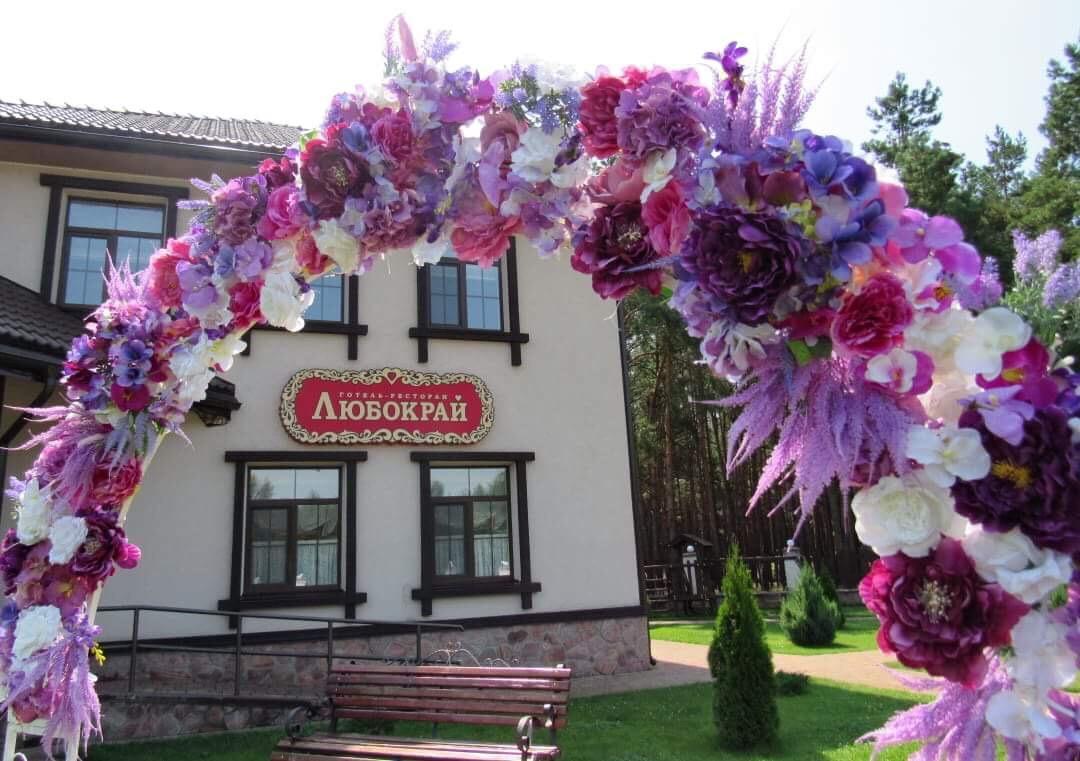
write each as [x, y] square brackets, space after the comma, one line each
[565, 403]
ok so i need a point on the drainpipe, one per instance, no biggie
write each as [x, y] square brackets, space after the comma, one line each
[9, 436]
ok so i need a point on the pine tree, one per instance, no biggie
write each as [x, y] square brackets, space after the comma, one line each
[828, 588]
[903, 114]
[744, 702]
[806, 616]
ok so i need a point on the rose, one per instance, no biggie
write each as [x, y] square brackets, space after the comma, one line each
[873, 320]
[501, 128]
[483, 238]
[161, 279]
[393, 135]
[1013, 561]
[937, 614]
[33, 510]
[338, 244]
[309, 257]
[37, 628]
[908, 514]
[598, 124]
[328, 174]
[282, 217]
[277, 173]
[667, 218]
[112, 485]
[66, 535]
[244, 304]
[618, 183]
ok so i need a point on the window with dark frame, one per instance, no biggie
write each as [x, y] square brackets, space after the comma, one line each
[329, 303]
[473, 538]
[465, 295]
[95, 228]
[293, 528]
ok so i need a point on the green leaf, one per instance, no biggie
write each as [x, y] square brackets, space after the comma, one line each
[801, 352]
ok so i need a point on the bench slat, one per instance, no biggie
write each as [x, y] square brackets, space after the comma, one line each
[451, 681]
[378, 747]
[436, 717]
[551, 672]
[346, 738]
[535, 697]
[482, 706]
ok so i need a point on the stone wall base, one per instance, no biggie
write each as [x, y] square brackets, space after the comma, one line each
[602, 646]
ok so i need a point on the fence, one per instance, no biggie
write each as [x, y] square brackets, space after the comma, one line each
[699, 581]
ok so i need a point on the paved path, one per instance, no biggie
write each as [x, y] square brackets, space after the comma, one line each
[679, 663]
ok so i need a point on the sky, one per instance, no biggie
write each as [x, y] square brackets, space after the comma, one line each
[281, 62]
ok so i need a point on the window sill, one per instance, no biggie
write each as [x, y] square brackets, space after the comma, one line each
[298, 599]
[467, 334]
[475, 589]
[323, 326]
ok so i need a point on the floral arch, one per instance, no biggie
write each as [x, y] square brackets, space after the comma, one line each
[865, 335]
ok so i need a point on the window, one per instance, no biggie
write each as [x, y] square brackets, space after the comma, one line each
[465, 295]
[329, 303]
[294, 528]
[96, 228]
[471, 517]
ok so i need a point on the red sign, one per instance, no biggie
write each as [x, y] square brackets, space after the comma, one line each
[386, 406]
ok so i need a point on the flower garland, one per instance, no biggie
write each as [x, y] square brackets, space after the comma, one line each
[865, 334]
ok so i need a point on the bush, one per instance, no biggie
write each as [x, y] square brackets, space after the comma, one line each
[789, 683]
[806, 616]
[744, 700]
[828, 587]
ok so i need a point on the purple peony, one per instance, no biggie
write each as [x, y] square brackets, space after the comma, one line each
[1033, 484]
[104, 548]
[666, 111]
[744, 260]
[937, 614]
[611, 247]
[329, 174]
[12, 556]
[236, 206]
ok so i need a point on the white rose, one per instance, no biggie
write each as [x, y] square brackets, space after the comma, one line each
[906, 515]
[995, 332]
[1042, 658]
[282, 302]
[33, 509]
[338, 243]
[1022, 716]
[1013, 561]
[534, 158]
[66, 536]
[948, 453]
[37, 628]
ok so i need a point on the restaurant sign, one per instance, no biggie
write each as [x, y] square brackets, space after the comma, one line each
[386, 406]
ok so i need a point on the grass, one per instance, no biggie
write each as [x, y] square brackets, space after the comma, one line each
[672, 724]
[858, 634]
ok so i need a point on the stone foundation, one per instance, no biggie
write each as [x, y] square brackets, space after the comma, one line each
[603, 646]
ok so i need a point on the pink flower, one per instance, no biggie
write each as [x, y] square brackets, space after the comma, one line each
[129, 398]
[161, 278]
[504, 128]
[283, 216]
[308, 255]
[668, 219]
[937, 614]
[111, 486]
[483, 238]
[244, 304]
[894, 197]
[619, 183]
[1027, 367]
[598, 124]
[918, 234]
[960, 260]
[873, 321]
[900, 371]
[128, 555]
[393, 135]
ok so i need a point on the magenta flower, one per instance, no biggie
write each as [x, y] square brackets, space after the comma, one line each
[666, 111]
[918, 235]
[873, 321]
[937, 614]
[612, 247]
[1028, 368]
[1002, 413]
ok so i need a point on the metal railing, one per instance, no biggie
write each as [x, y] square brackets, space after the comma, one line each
[238, 651]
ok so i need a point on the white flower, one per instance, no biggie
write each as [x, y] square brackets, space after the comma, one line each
[944, 400]
[995, 332]
[37, 628]
[534, 158]
[895, 370]
[466, 152]
[216, 313]
[192, 367]
[224, 349]
[1074, 426]
[706, 193]
[657, 171]
[66, 536]
[939, 334]
[554, 77]
[33, 509]
[948, 453]
[430, 253]
[1013, 561]
[1022, 716]
[282, 302]
[1042, 657]
[731, 347]
[907, 514]
[335, 241]
[284, 254]
[571, 175]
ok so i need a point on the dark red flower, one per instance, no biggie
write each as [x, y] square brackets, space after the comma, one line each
[393, 134]
[129, 398]
[244, 304]
[597, 123]
[277, 173]
[611, 246]
[112, 485]
[873, 321]
[937, 614]
[105, 547]
[328, 174]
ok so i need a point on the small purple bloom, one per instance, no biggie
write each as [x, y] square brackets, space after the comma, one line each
[1003, 414]
[918, 235]
[251, 259]
[195, 285]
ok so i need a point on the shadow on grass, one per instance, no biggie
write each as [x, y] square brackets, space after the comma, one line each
[671, 724]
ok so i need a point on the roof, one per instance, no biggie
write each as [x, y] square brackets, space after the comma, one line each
[30, 322]
[681, 540]
[175, 129]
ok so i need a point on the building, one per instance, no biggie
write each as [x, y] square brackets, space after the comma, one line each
[249, 518]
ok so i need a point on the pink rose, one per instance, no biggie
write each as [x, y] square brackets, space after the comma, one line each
[598, 124]
[309, 257]
[619, 183]
[111, 486]
[394, 136]
[244, 304]
[667, 218]
[484, 239]
[161, 278]
[502, 127]
[283, 216]
[873, 321]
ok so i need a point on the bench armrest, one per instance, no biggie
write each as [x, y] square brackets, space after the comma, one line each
[526, 726]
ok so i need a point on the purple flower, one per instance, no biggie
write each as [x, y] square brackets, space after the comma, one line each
[917, 234]
[729, 60]
[849, 244]
[743, 260]
[1002, 413]
[1032, 485]
[612, 248]
[12, 556]
[830, 170]
[236, 204]
[984, 292]
[104, 546]
[131, 362]
[1035, 257]
[195, 285]
[1063, 286]
[251, 259]
[666, 111]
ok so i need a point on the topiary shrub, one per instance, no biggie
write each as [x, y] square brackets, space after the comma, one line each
[744, 700]
[828, 587]
[806, 616]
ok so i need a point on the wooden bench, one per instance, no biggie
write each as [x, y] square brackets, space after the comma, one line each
[518, 697]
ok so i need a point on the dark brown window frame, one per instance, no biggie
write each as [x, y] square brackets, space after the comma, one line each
[292, 542]
[425, 330]
[469, 529]
[463, 296]
[111, 237]
[431, 587]
[347, 595]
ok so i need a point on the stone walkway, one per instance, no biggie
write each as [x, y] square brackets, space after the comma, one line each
[679, 663]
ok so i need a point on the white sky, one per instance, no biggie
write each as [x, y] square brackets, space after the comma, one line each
[281, 61]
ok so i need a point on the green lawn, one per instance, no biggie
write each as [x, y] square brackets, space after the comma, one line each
[673, 724]
[857, 634]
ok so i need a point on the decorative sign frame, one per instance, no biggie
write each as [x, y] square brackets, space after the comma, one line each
[388, 405]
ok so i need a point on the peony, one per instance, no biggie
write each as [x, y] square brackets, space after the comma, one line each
[667, 218]
[948, 453]
[244, 304]
[278, 173]
[908, 514]
[1032, 485]
[744, 260]
[873, 320]
[615, 242]
[34, 513]
[283, 216]
[534, 158]
[598, 125]
[111, 485]
[105, 546]
[994, 333]
[161, 279]
[283, 302]
[1013, 561]
[65, 537]
[328, 175]
[937, 614]
[37, 628]
[393, 135]
[337, 243]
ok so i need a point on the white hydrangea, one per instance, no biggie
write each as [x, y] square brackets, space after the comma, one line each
[1012, 560]
[37, 628]
[906, 514]
[33, 508]
[66, 537]
[192, 367]
[948, 453]
[339, 244]
[1042, 658]
[534, 158]
[282, 302]
[424, 252]
[571, 175]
